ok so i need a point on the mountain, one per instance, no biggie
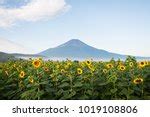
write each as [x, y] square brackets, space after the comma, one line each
[76, 49]
[73, 49]
[8, 46]
[5, 57]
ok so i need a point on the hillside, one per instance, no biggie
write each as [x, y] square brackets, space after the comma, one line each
[5, 57]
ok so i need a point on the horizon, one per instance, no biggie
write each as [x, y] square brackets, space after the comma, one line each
[72, 42]
[115, 26]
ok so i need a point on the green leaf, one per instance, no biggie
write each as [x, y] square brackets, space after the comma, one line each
[39, 94]
[103, 83]
[68, 95]
[121, 84]
[73, 93]
[113, 90]
[29, 94]
[44, 83]
[124, 92]
[83, 97]
[60, 92]
[89, 92]
[78, 84]
[130, 91]
[64, 85]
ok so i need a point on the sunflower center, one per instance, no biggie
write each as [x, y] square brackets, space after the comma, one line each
[122, 67]
[139, 81]
[36, 63]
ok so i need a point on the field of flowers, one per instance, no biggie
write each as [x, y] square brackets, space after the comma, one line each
[85, 80]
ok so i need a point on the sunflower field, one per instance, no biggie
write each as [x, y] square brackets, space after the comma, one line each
[36, 79]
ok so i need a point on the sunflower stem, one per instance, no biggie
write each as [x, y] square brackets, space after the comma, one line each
[38, 86]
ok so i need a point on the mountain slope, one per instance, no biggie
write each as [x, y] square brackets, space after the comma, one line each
[5, 57]
[77, 49]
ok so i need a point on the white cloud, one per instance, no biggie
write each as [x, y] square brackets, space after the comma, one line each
[35, 10]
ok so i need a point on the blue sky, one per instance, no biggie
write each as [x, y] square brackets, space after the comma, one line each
[120, 26]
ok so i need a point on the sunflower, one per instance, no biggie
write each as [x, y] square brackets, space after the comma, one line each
[79, 71]
[131, 64]
[46, 69]
[146, 63]
[105, 71]
[138, 81]
[81, 64]
[91, 68]
[66, 66]
[31, 80]
[69, 63]
[141, 64]
[22, 74]
[120, 62]
[122, 68]
[36, 63]
[21, 85]
[62, 71]
[14, 65]
[109, 66]
[88, 62]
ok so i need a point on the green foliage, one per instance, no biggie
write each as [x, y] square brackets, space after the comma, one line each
[55, 80]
